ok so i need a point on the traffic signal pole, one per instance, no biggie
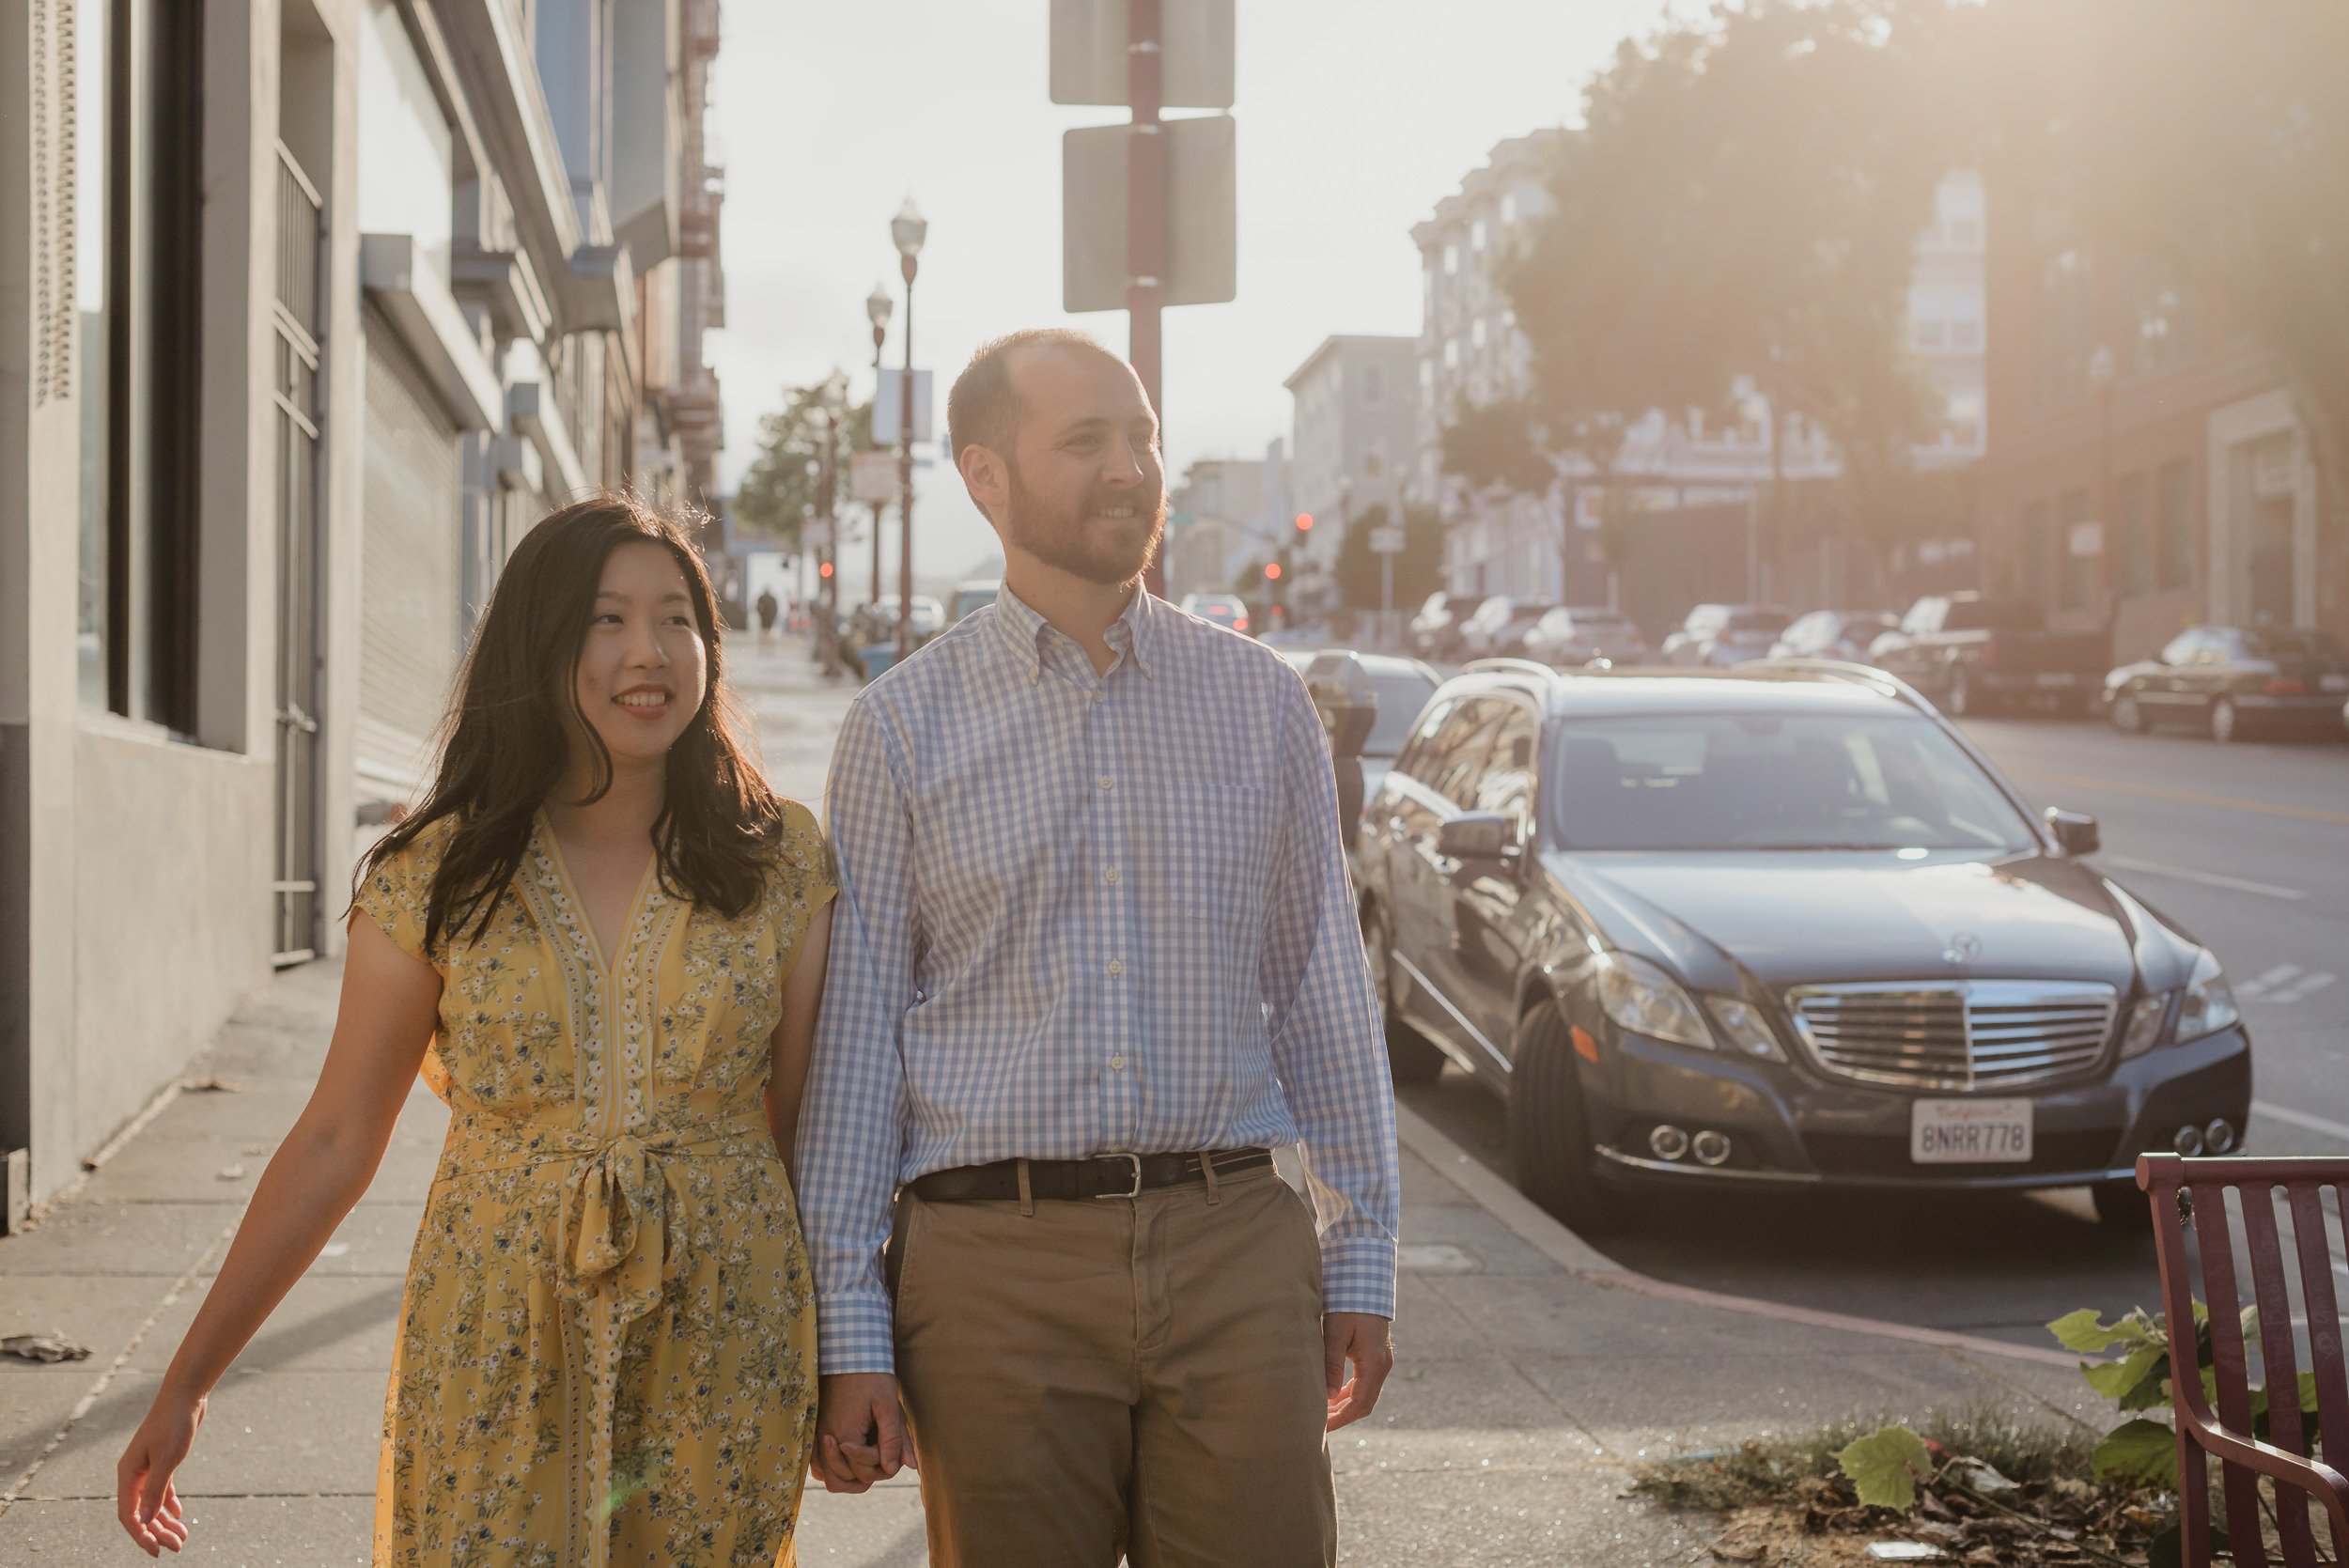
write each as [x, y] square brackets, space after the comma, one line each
[1145, 215]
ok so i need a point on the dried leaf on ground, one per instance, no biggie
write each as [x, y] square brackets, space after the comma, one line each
[43, 1348]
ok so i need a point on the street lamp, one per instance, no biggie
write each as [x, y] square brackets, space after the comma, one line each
[908, 230]
[878, 307]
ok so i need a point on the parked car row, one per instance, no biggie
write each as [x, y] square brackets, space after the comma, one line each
[2235, 683]
[1777, 926]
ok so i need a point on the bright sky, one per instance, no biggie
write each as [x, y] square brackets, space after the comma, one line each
[1355, 118]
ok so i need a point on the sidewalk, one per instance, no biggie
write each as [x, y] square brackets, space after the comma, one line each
[1529, 1369]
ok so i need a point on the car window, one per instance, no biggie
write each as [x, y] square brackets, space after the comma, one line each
[1507, 784]
[1767, 780]
[1421, 748]
[1459, 750]
[2181, 648]
[1401, 695]
[1810, 631]
[1925, 617]
[1757, 620]
[2275, 643]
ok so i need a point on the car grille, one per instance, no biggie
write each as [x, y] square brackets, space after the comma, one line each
[1971, 1035]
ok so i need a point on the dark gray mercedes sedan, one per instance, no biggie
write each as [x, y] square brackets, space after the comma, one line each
[1783, 926]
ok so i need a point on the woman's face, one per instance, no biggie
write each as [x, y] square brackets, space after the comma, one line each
[644, 669]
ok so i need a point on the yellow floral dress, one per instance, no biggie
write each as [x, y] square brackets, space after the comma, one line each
[607, 1349]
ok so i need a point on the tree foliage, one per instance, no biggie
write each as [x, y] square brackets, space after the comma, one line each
[777, 493]
[1417, 570]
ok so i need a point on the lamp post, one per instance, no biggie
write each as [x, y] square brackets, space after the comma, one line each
[908, 230]
[877, 306]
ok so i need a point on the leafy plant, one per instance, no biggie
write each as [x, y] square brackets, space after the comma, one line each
[1884, 1466]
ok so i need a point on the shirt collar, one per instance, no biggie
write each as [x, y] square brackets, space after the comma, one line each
[1024, 631]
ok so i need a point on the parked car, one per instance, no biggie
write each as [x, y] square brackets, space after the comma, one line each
[1227, 611]
[1780, 929]
[1723, 635]
[2235, 682]
[975, 594]
[1973, 654]
[1571, 636]
[1435, 629]
[875, 622]
[1845, 634]
[1498, 628]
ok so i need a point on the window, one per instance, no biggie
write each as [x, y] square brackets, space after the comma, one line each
[2074, 570]
[1375, 461]
[2182, 647]
[2038, 555]
[1508, 208]
[1419, 750]
[1476, 235]
[1459, 761]
[1450, 260]
[1476, 332]
[2176, 500]
[1374, 385]
[1925, 333]
[2141, 561]
[1507, 785]
[2161, 305]
[2062, 326]
[1451, 354]
[1965, 333]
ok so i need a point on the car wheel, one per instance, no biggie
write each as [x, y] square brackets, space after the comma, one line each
[1548, 1138]
[1411, 1058]
[2120, 1206]
[2127, 717]
[2226, 723]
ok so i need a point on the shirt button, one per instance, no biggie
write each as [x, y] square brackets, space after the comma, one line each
[1107, 783]
[1110, 876]
[1117, 965]
[1117, 1064]
[1100, 695]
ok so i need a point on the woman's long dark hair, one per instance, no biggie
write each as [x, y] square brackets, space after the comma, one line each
[506, 743]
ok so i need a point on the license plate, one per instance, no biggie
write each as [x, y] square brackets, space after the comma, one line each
[1969, 1132]
[2332, 683]
[2055, 677]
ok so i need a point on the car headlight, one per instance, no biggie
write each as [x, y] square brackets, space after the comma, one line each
[1642, 999]
[2209, 1005]
[1746, 1027]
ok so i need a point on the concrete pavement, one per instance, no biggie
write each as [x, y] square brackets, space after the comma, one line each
[1532, 1369]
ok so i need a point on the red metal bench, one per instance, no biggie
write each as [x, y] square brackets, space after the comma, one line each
[2192, 1193]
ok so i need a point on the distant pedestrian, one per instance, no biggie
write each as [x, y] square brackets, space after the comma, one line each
[768, 611]
[601, 940]
[1097, 957]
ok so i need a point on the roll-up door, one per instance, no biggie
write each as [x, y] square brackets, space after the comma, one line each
[409, 571]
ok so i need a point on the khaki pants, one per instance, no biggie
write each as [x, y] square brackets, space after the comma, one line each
[1087, 1376]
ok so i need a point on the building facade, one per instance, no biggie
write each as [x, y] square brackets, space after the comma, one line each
[1687, 480]
[1352, 445]
[2146, 467]
[1227, 514]
[312, 308]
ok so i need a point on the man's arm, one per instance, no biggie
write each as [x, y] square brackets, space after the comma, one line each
[852, 1123]
[1331, 1055]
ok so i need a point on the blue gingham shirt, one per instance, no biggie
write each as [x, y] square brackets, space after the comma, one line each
[1081, 913]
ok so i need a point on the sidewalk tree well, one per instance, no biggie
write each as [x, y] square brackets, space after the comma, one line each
[777, 493]
[1418, 570]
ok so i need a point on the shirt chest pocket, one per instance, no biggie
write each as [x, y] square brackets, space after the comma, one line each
[1214, 845]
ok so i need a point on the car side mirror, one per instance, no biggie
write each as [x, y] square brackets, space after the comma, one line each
[2075, 832]
[1476, 836]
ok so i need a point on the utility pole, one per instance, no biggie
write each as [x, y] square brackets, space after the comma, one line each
[1145, 217]
[906, 230]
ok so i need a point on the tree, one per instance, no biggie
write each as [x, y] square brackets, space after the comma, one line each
[1417, 570]
[1743, 202]
[778, 493]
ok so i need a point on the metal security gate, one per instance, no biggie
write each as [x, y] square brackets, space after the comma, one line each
[300, 256]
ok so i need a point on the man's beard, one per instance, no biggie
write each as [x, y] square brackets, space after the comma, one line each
[1064, 540]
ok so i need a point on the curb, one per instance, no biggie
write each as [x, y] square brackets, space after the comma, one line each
[1533, 1226]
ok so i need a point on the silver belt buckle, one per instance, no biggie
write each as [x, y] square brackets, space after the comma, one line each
[1133, 1159]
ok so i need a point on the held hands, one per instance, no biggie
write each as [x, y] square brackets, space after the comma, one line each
[860, 1431]
[1364, 1339]
[145, 1499]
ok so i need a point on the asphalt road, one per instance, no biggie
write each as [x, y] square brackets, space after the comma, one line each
[2246, 846]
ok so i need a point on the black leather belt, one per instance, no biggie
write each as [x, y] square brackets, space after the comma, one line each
[1103, 1177]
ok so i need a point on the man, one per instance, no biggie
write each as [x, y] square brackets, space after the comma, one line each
[767, 610]
[1095, 954]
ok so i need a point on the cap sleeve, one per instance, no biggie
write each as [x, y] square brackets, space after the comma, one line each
[397, 889]
[803, 857]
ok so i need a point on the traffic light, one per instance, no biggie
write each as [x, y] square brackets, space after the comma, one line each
[1304, 523]
[1272, 571]
[824, 570]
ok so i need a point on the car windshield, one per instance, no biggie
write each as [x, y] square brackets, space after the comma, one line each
[1773, 780]
[1757, 623]
[1401, 695]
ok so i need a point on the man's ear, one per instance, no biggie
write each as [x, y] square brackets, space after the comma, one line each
[985, 476]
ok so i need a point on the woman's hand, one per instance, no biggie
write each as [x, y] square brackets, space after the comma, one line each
[145, 1499]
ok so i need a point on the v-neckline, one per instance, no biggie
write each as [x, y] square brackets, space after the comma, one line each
[606, 963]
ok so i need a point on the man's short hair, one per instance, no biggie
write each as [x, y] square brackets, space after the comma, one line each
[984, 408]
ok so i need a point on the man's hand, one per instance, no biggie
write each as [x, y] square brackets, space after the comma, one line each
[1362, 1338]
[860, 1431]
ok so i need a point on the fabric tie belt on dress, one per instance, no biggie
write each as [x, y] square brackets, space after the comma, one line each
[618, 1226]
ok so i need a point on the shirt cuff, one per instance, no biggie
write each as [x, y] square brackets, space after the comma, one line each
[1358, 1275]
[853, 1333]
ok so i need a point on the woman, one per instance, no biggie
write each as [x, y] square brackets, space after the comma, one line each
[601, 938]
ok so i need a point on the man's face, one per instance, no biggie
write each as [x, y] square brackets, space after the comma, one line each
[1087, 485]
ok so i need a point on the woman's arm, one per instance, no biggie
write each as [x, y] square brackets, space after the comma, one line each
[386, 1018]
[794, 1039]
